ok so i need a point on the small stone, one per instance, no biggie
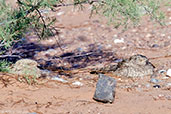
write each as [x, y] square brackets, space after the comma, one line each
[168, 73]
[57, 78]
[117, 60]
[105, 89]
[167, 86]
[115, 36]
[60, 13]
[165, 78]
[147, 85]
[155, 98]
[169, 9]
[116, 41]
[161, 96]
[155, 81]
[148, 35]
[162, 71]
[45, 11]
[156, 86]
[80, 49]
[155, 46]
[77, 83]
[168, 97]
[162, 35]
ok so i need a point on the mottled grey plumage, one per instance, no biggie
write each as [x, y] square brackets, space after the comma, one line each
[135, 66]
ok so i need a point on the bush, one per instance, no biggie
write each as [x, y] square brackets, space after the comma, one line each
[4, 66]
[27, 16]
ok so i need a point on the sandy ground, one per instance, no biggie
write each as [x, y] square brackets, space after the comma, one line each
[78, 33]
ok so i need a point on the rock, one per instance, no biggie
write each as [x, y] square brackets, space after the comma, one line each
[162, 71]
[157, 86]
[165, 78]
[168, 97]
[57, 78]
[155, 46]
[155, 81]
[60, 13]
[105, 89]
[167, 86]
[168, 73]
[117, 60]
[135, 66]
[116, 41]
[77, 83]
[46, 73]
[26, 67]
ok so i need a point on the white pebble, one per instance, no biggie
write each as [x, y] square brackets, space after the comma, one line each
[168, 72]
[60, 13]
[162, 35]
[59, 79]
[148, 35]
[165, 78]
[123, 48]
[116, 41]
[115, 36]
[77, 83]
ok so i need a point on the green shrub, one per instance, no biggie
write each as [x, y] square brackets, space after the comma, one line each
[4, 66]
[14, 22]
[129, 12]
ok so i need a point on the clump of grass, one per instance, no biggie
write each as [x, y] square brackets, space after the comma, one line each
[30, 80]
[5, 66]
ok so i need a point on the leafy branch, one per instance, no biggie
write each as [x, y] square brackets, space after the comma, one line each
[27, 16]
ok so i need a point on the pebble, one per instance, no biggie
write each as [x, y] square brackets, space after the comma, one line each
[155, 46]
[157, 86]
[45, 11]
[116, 41]
[115, 36]
[168, 72]
[167, 86]
[79, 49]
[117, 60]
[165, 78]
[57, 78]
[148, 35]
[77, 83]
[162, 35]
[60, 13]
[169, 9]
[162, 71]
[147, 85]
[50, 51]
[154, 81]
[45, 73]
[168, 97]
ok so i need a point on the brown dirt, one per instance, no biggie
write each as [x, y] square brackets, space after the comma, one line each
[77, 30]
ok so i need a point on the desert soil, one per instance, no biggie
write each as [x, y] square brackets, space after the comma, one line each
[77, 34]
